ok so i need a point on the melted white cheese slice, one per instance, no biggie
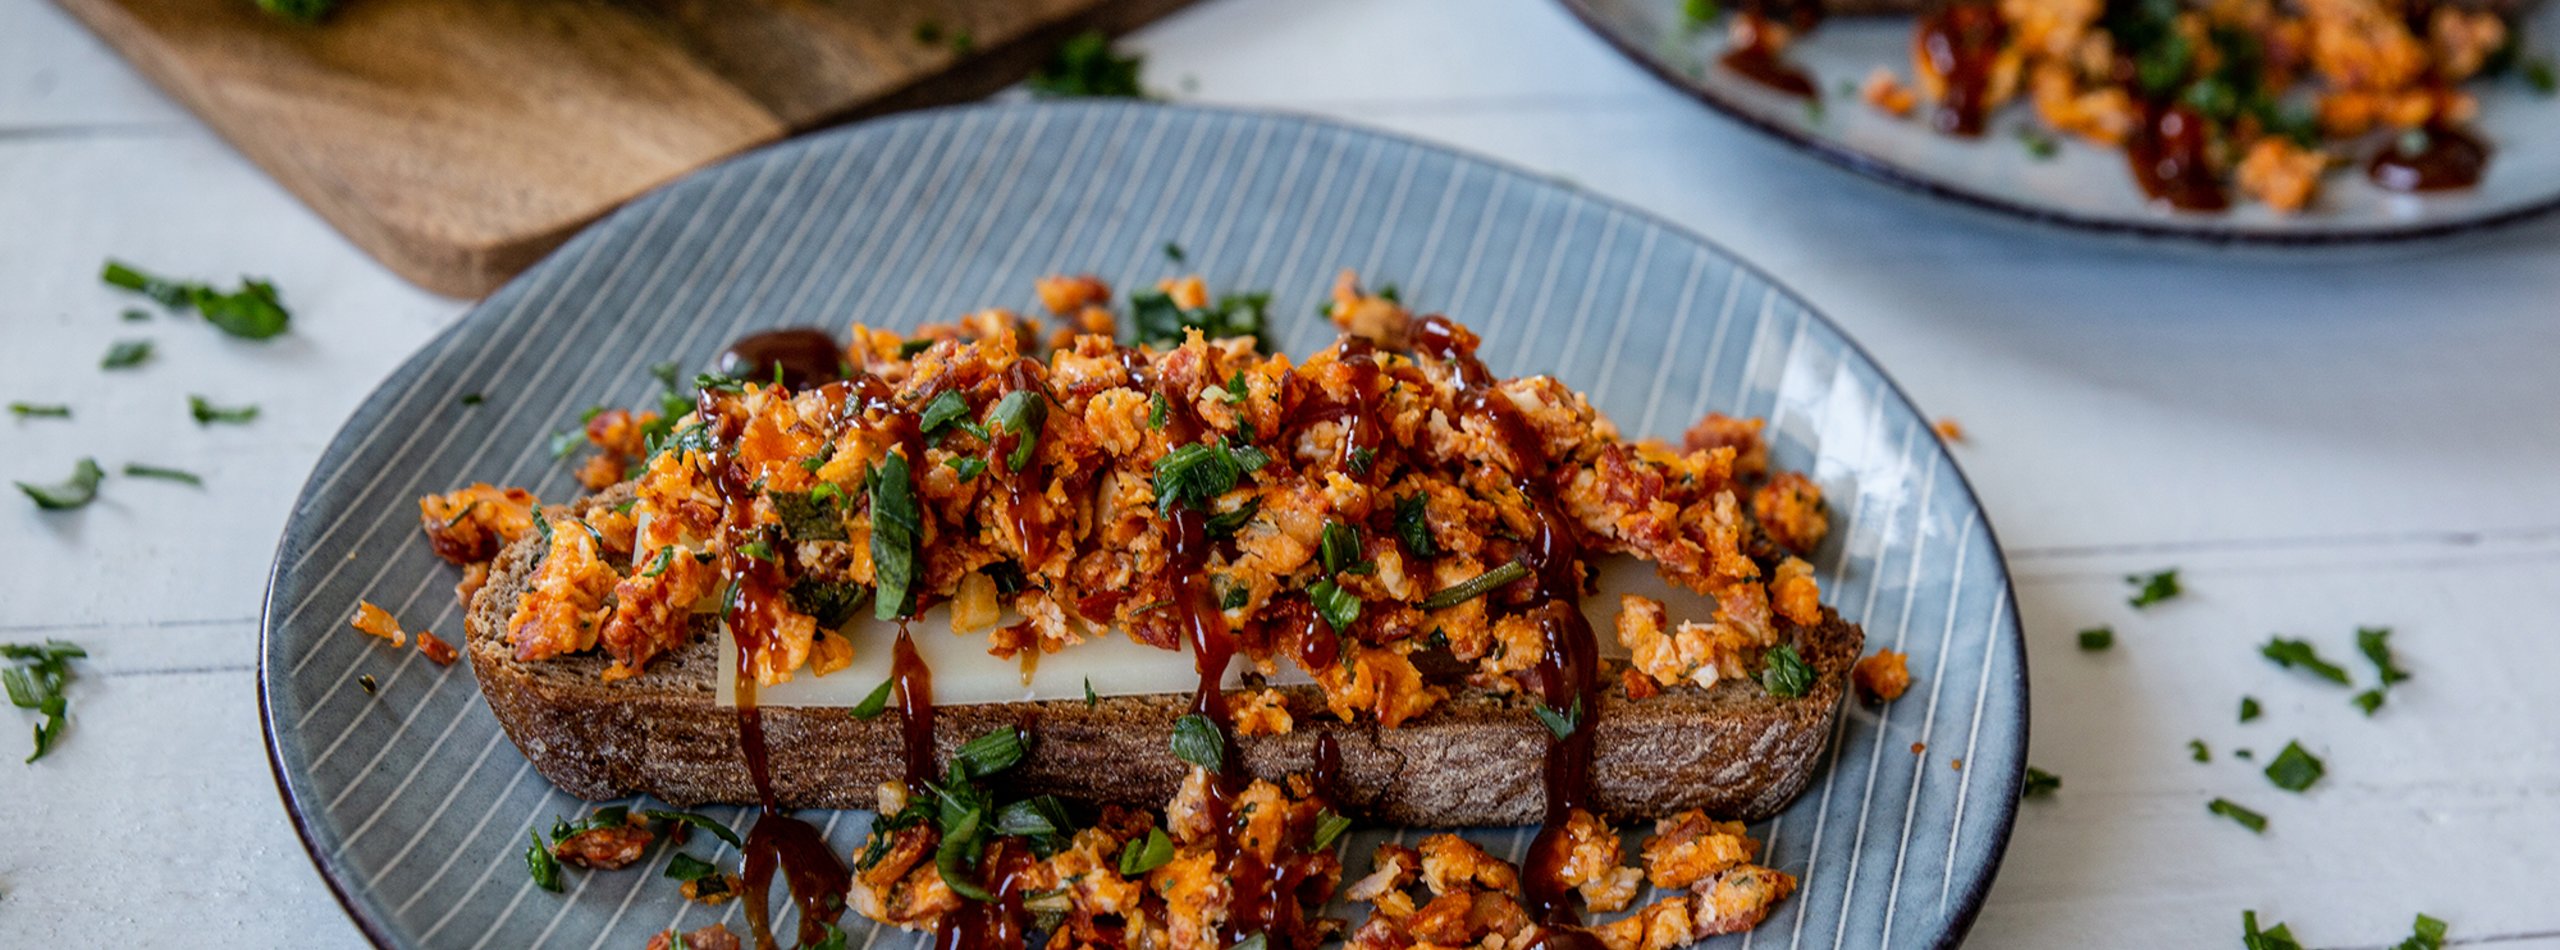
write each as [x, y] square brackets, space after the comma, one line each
[1113, 664]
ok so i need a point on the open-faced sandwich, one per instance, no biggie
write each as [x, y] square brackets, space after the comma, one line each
[1118, 638]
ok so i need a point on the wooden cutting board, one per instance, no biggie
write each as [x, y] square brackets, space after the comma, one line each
[459, 140]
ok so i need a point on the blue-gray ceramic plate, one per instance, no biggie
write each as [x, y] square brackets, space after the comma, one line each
[416, 807]
[2082, 186]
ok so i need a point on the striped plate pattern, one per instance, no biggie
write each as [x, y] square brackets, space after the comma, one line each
[417, 809]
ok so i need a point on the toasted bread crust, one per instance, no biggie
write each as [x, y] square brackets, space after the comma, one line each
[1477, 759]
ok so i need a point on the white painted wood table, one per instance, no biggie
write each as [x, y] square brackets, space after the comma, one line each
[2317, 441]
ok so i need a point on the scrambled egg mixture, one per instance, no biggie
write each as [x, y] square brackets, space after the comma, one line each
[1341, 552]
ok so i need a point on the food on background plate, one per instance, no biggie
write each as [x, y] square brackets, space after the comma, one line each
[2207, 98]
[1397, 542]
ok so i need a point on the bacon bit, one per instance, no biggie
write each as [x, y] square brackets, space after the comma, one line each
[1065, 295]
[1882, 676]
[436, 649]
[607, 848]
[1956, 764]
[1263, 713]
[1886, 92]
[1949, 430]
[714, 937]
[1638, 685]
[377, 622]
[1919, 747]
[471, 524]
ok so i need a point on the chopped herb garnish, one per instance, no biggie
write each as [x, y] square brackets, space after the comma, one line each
[2427, 933]
[2539, 74]
[1196, 474]
[75, 493]
[2097, 638]
[135, 315]
[1156, 409]
[1561, 722]
[2039, 144]
[1784, 673]
[1160, 321]
[1225, 524]
[252, 312]
[757, 549]
[1146, 854]
[2375, 644]
[897, 530]
[1173, 252]
[1196, 740]
[966, 467]
[126, 354]
[1413, 527]
[989, 754]
[2150, 589]
[2294, 769]
[1476, 586]
[34, 682]
[909, 348]
[1361, 458]
[1696, 15]
[1085, 66]
[30, 410]
[1339, 547]
[873, 705]
[2232, 810]
[1020, 414]
[1339, 608]
[1091, 698]
[941, 411]
[703, 822]
[139, 470]
[2197, 750]
[831, 603]
[2278, 937]
[1257, 940]
[2293, 653]
[1237, 389]
[207, 413]
[565, 442]
[2248, 708]
[2039, 784]
[1329, 826]
[539, 861]
[473, 399]
[959, 850]
[1036, 817]
[1236, 597]
[687, 868]
[813, 515]
[2368, 701]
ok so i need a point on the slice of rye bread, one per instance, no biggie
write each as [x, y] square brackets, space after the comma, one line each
[1477, 759]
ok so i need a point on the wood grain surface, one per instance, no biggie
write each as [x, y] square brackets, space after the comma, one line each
[457, 141]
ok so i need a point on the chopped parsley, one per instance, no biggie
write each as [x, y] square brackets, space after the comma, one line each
[2294, 769]
[2096, 639]
[139, 470]
[30, 410]
[1784, 673]
[873, 705]
[1339, 547]
[1173, 252]
[703, 822]
[1413, 527]
[1146, 854]
[207, 413]
[831, 603]
[1020, 414]
[34, 682]
[539, 862]
[1339, 608]
[1196, 474]
[2197, 750]
[1476, 586]
[2150, 589]
[2039, 784]
[473, 399]
[1225, 524]
[2278, 937]
[78, 492]
[2040, 145]
[814, 515]
[657, 564]
[2426, 933]
[2232, 810]
[966, 467]
[1696, 15]
[1561, 722]
[1162, 322]
[1329, 826]
[135, 315]
[1156, 409]
[941, 411]
[1091, 698]
[2375, 644]
[757, 549]
[2369, 701]
[2298, 653]
[1196, 740]
[897, 535]
[253, 312]
[687, 868]
[1000, 749]
[1085, 66]
[2248, 708]
[126, 354]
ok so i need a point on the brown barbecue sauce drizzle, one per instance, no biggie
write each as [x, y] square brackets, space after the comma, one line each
[806, 356]
[1756, 56]
[1567, 674]
[1960, 41]
[2446, 158]
[2171, 161]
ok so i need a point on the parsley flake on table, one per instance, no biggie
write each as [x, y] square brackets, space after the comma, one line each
[2150, 589]
[2197, 750]
[2294, 769]
[2278, 937]
[2299, 653]
[139, 470]
[2232, 810]
[2368, 702]
[253, 312]
[2248, 708]
[2375, 644]
[2039, 784]
[2096, 639]
[35, 683]
[78, 492]
[32, 410]
[1159, 320]
[206, 413]
[1085, 66]
[126, 354]
[2427, 933]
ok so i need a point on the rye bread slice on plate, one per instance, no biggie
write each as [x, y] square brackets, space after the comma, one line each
[1733, 749]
